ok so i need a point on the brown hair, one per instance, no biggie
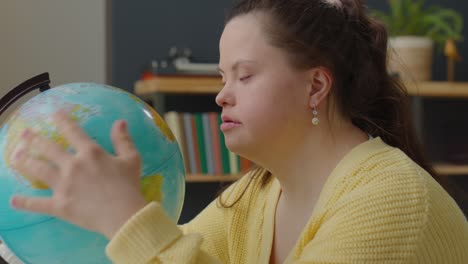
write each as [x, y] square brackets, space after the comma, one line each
[341, 36]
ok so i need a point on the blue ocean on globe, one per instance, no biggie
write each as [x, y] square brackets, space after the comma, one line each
[43, 239]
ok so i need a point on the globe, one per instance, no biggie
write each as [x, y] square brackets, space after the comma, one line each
[41, 239]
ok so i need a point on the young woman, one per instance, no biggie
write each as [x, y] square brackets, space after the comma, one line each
[307, 97]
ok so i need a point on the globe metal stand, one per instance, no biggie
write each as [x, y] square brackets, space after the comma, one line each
[41, 82]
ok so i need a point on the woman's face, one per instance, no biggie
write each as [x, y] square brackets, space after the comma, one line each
[264, 99]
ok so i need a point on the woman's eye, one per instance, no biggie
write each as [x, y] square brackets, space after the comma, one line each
[245, 78]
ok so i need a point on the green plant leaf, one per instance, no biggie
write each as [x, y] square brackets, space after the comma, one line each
[442, 23]
[411, 17]
[396, 14]
[453, 16]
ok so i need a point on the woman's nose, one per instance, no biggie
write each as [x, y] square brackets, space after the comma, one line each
[224, 97]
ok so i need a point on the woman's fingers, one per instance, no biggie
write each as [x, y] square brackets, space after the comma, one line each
[33, 167]
[46, 148]
[38, 159]
[37, 205]
[71, 131]
[123, 144]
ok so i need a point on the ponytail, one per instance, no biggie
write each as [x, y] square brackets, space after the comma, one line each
[388, 113]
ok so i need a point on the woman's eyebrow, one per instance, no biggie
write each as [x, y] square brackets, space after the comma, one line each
[236, 65]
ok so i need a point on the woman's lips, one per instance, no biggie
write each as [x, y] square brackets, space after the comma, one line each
[227, 125]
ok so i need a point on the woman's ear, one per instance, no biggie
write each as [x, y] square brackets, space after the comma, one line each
[320, 81]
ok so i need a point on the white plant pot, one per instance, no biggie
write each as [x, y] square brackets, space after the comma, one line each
[411, 57]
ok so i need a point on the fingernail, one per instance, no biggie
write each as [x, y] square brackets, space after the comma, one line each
[14, 202]
[123, 126]
[26, 133]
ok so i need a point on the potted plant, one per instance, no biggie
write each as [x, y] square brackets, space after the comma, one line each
[414, 31]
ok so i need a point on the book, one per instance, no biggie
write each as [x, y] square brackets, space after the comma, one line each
[224, 150]
[190, 144]
[208, 143]
[196, 147]
[216, 143]
[201, 142]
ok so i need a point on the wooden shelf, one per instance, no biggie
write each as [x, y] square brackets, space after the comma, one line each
[194, 85]
[190, 85]
[451, 170]
[439, 89]
[211, 178]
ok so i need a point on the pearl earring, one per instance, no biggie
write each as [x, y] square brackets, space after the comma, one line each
[315, 120]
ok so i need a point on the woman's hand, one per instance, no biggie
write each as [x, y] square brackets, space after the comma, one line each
[91, 188]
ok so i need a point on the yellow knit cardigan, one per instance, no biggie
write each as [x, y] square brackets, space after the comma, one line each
[377, 206]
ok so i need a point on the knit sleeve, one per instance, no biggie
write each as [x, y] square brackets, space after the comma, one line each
[399, 217]
[151, 237]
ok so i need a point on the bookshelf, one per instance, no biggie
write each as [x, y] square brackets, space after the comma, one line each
[212, 178]
[156, 88]
[207, 85]
[450, 169]
[178, 85]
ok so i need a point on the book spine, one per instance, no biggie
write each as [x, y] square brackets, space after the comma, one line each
[208, 143]
[218, 165]
[224, 150]
[183, 141]
[190, 144]
[201, 142]
[196, 147]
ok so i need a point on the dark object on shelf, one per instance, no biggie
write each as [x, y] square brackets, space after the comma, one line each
[179, 62]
